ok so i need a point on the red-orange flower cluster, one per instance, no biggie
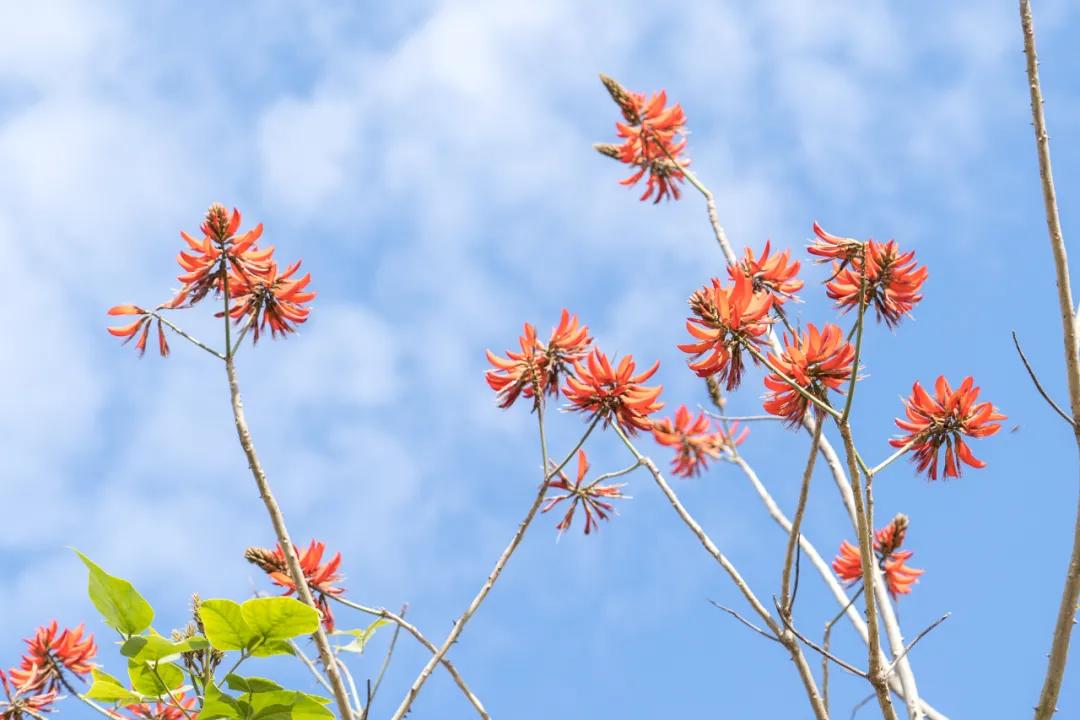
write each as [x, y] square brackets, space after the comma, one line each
[649, 140]
[270, 299]
[258, 294]
[816, 361]
[49, 654]
[725, 320]
[774, 274]
[538, 366]
[23, 703]
[606, 392]
[833, 247]
[140, 327]
[893, 281]
[695, 440]
[943, 419]
[891, 560]
[592, 497]
[320, 577]
[219, 250]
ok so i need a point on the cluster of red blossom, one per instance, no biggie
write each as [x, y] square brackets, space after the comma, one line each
[887, 541]
[729, 322]
[34, 686]
[320, 576]
[222, 262]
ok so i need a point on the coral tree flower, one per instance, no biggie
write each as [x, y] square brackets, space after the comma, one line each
[164, 710]
[817, 362]
[49, 654]
[943, 419]
[270, 299]
[649, 141]
[695, 440]
[891, 560]
[614, 392]
[203, 268]
[774, 274]
[320, 577]
[519, 373]
[140, 328]
[593, 497]
[724, 320]
[833, 247]
[258, 293]
[893, 281]
[569, 343]
[538, 367]
[23, 703]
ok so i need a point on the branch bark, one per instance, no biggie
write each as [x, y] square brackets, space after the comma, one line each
[277, 519]
[1059, 647]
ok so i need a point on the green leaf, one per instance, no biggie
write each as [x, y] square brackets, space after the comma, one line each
[279, 618]
[271, 648]
[282, 704]
[122, 607]
[251, 684]
[226, 629]
[144, 679]
[361, 637]
[217, 704]
[155, 648]
[110, 690]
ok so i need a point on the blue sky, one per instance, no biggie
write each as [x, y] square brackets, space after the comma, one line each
[431, 163]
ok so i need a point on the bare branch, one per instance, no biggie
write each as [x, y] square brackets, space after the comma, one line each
[797, 656]
[787, 598]
[814, 646]
[415, 632]
[744, 621]
[1059, 647]
[1038, 385]
[920, 636]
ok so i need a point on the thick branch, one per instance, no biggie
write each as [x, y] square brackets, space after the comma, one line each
[1059, 648]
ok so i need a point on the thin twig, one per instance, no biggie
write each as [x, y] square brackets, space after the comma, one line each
[1038, 385]
[742, 418]
[817, 648]
[415, 632]
[493, 577]
[352, 687]
[797, 656]
[860, 323]
[310, 666]
[920, 636]
[859, 705]
[872, 472]
[186, 336]
[168, 690]
[786, 597]
[385, 664]
[745, 622]
[67, 685]
[825, 644]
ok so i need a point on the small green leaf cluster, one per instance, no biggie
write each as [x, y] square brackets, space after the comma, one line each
[163, 670]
